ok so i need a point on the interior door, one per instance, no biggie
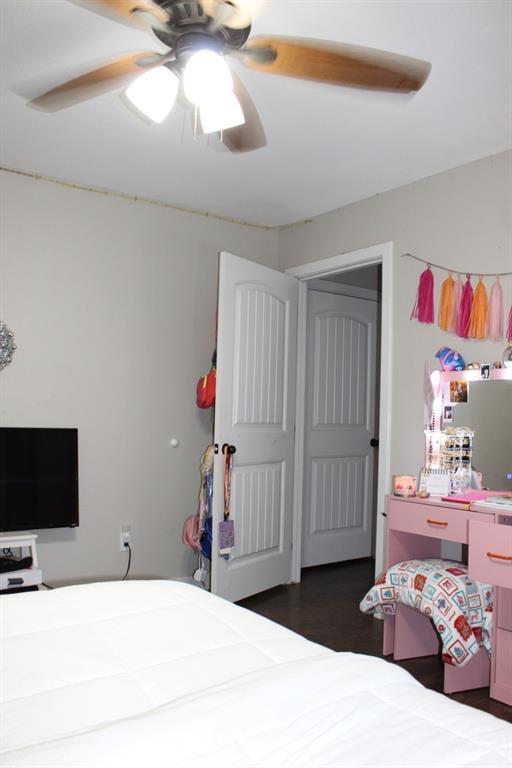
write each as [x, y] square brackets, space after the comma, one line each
[339, 424]
[255, 412]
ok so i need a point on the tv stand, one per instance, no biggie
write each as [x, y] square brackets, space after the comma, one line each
[28, 578]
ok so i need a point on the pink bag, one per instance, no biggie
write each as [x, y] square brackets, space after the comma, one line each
[191, 533]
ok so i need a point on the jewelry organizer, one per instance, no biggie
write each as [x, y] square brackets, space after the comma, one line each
[456, 449]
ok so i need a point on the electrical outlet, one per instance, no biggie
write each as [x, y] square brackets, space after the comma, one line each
[125, 538]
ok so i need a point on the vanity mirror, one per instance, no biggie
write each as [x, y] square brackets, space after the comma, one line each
[488, 414]
[471, 427]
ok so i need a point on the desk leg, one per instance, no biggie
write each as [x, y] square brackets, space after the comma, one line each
[388, 640]
[415, 635]
[474, 674]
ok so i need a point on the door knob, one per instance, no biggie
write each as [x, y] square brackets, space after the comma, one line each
[374, 442]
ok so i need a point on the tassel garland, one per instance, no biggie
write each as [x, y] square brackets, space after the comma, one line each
[495, 312]
[423, 309]
[478, 318]
[453, 324]
[446, 303]
[471, 314]
[466, 305]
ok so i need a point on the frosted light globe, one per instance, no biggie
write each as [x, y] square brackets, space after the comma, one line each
[206, 76]
[221, 113]
[154, 93]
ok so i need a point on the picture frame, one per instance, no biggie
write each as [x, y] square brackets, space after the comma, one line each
[448, 413]
[459, 392]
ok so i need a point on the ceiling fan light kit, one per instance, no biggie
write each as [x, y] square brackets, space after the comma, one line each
[199, 34]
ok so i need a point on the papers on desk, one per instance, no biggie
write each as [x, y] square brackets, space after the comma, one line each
[502, 502]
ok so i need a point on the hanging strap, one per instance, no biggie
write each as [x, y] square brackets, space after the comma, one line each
[205, 469]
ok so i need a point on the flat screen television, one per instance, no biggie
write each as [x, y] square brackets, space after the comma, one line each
[38, 478]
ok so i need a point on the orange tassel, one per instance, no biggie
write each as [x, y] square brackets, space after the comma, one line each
[446, 303]
[478, 319]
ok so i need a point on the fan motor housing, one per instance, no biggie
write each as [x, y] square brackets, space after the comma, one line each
[187, 18]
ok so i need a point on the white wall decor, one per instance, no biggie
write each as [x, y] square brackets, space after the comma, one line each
[7, 345]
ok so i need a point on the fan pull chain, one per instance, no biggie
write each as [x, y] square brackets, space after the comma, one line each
[183, 128]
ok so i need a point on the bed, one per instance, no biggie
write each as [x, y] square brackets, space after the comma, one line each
[164, 675]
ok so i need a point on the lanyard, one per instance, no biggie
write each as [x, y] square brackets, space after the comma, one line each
[228, 464]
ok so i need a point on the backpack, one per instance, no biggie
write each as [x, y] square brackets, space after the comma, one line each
[205, 390]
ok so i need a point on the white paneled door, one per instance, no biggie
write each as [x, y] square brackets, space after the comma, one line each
[339, 424]
[255, 412]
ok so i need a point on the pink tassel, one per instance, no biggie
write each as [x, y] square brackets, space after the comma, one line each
[453, 323]
[465, 309]
[423, 309]
[509, 329]
[495, 312]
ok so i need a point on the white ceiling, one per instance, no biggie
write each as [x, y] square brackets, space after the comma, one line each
[327, 146]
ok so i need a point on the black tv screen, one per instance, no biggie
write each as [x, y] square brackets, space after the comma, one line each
[38, 478]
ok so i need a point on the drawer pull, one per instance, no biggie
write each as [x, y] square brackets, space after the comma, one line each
[496, 556]
[437, 522]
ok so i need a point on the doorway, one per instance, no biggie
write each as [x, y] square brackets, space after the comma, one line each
[341, 266]
[341, 416]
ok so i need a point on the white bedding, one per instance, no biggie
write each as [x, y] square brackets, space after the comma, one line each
[162, 674]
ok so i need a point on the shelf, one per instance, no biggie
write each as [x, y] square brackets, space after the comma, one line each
[496, 374]
[17, 536]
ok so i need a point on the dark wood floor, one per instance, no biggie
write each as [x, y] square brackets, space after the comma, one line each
[324, 607]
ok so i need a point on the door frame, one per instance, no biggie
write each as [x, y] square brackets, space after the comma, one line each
[346, 262]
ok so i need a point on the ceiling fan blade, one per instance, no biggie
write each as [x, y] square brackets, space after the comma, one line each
[222, 16]
[132, 11]
[336, 63]
[97, 81]
[234, 14]
[251, 135]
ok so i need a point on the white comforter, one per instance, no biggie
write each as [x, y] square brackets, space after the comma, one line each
[161, 674]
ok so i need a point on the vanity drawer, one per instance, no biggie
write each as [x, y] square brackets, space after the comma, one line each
[490, 553]
[438, 522]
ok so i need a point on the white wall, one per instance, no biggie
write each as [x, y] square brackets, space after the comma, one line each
[113, 307]
[461, 218]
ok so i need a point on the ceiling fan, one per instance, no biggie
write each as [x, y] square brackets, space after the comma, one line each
[199, 35]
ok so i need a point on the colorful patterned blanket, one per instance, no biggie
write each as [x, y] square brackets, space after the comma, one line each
[460, 608]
